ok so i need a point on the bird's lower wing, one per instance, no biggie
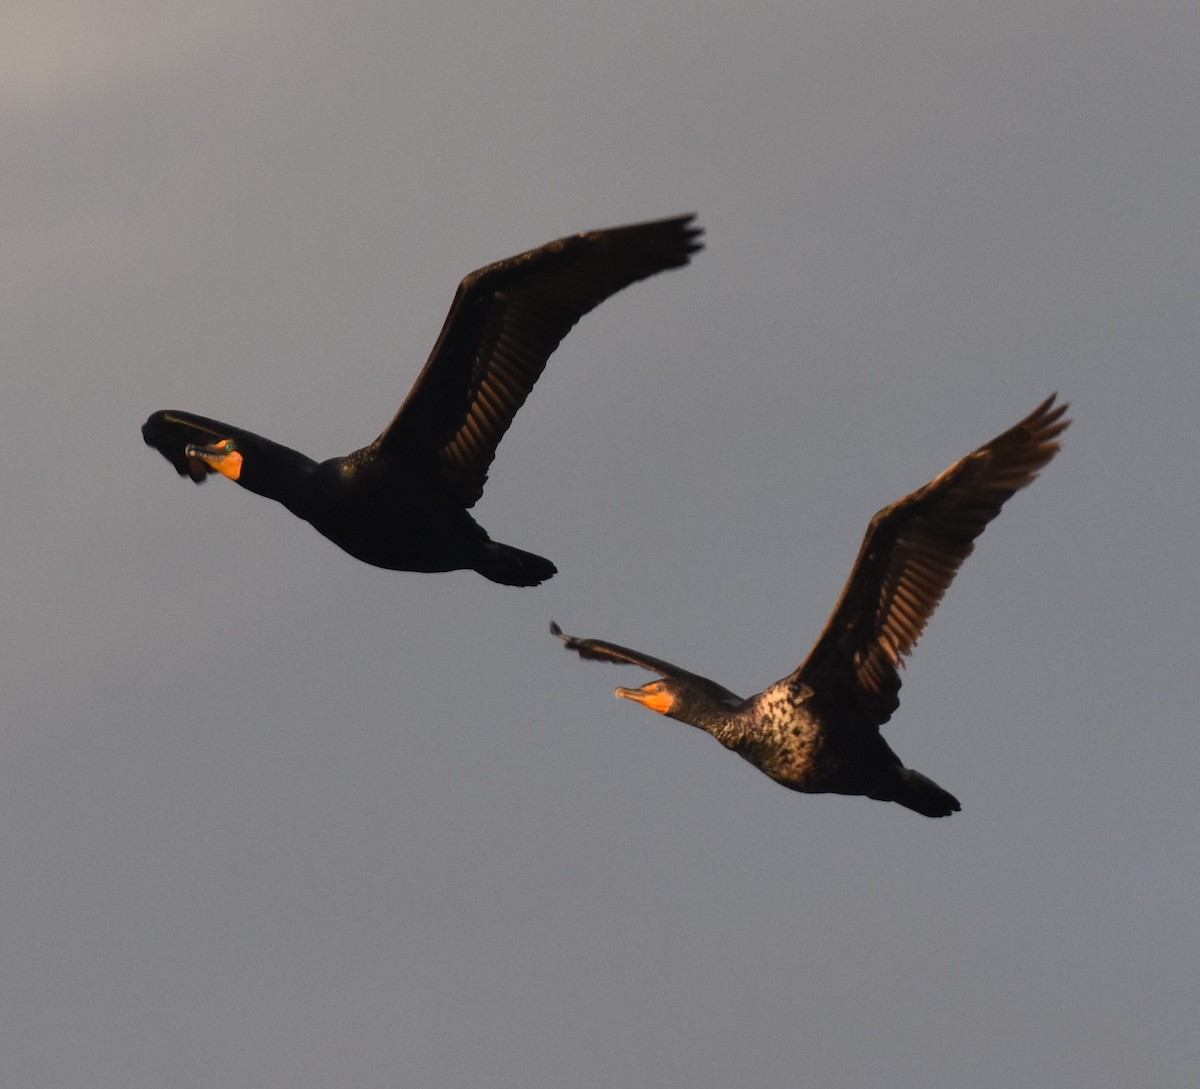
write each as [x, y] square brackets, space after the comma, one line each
[600, 651]
[171, 432]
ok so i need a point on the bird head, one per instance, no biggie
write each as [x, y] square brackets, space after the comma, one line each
[695, 701]
[222, 457]
[663, 696]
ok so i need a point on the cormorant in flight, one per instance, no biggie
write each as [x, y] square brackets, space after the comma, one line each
[403, 501]
[817, 730]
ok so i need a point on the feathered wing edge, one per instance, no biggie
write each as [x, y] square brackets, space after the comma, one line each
[910, 554]
[171, 431]
[600, 651]
[505, 322]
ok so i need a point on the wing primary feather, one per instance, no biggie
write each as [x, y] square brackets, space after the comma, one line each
[909, 556]
[505, 322]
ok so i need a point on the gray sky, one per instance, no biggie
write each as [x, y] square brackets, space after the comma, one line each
[272, 818]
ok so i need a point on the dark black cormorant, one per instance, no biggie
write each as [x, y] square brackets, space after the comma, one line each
[817, 730]
[403, 501]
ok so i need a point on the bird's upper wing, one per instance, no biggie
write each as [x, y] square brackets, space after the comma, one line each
[599, 651]
[505, 322]
[910, 555]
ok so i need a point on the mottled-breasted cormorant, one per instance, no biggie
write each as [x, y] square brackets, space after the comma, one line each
[402, 502]
[817, 730]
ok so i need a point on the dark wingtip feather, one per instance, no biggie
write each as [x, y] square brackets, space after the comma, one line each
[153, 430]
[569, 641]
[692, 232]
[588, 649]
[671, 241]
[1032, 444]
[160, 433]
[1046, 422]
[170, 431]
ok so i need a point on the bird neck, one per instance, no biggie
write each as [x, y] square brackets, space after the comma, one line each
[715, 716]
[276, 472]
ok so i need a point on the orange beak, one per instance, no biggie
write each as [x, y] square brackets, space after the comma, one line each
[659, 701]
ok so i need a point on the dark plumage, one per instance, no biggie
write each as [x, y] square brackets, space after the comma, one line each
[817, 730]
[403, 501]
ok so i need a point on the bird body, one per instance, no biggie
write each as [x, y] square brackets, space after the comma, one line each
[791, 737]
[403, 502]
[817, 730]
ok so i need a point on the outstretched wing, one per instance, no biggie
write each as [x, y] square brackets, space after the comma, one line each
[911, 553]
[171, 432]
[505, 322]
[599, 651]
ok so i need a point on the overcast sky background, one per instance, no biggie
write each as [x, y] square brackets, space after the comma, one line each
[273, 818]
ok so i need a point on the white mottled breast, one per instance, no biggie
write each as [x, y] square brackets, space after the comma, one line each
[789, 743]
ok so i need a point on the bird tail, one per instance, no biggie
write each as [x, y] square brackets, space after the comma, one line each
[511, 566]
[921, 794]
